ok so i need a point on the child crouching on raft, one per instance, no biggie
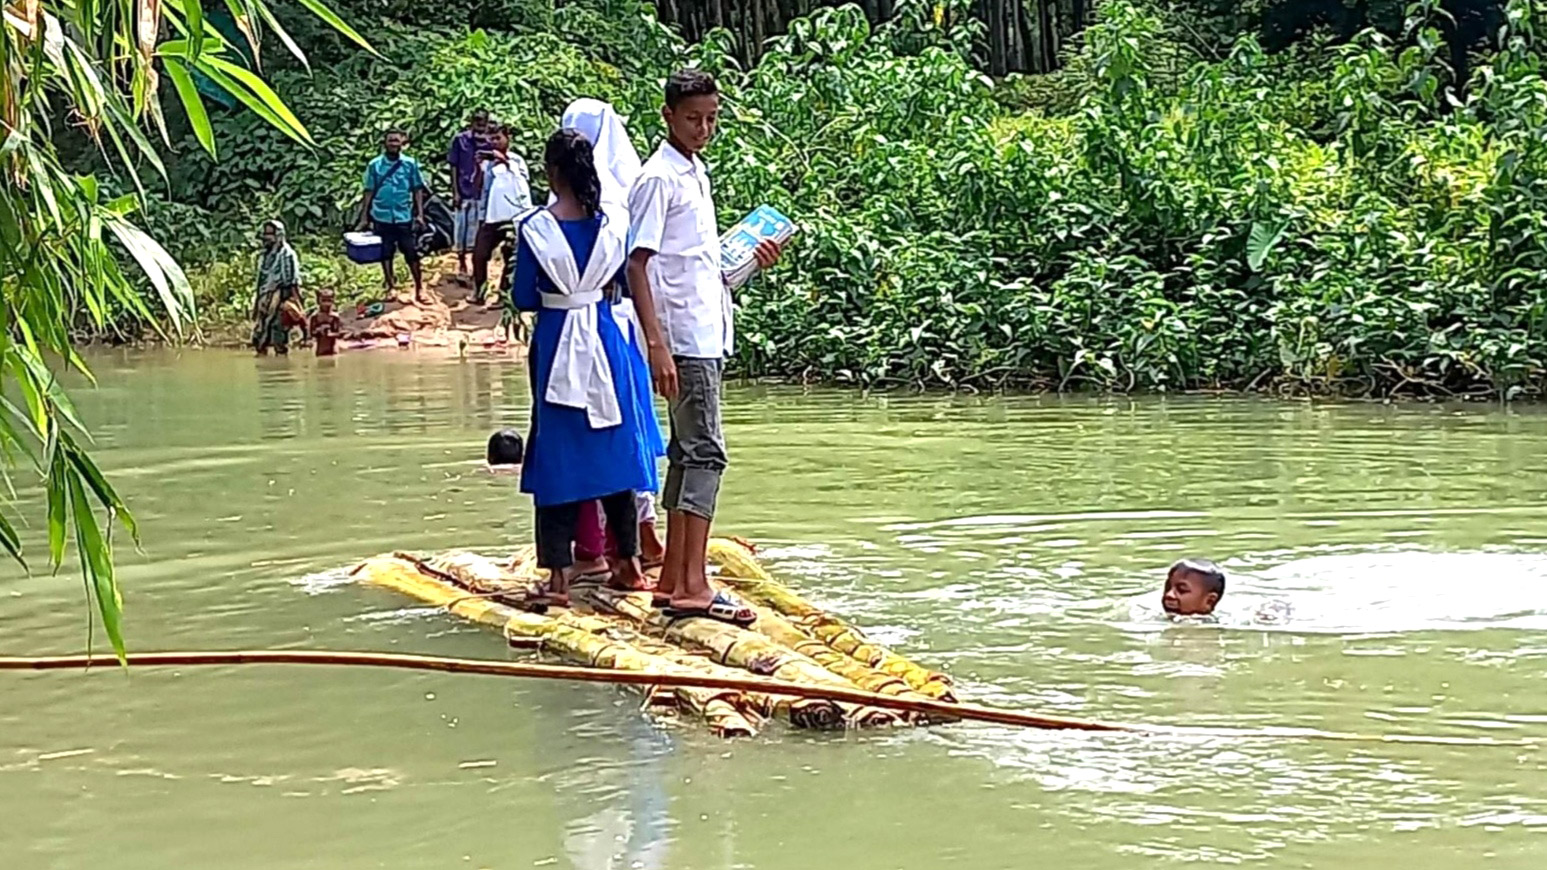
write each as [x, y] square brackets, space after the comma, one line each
[588, 438]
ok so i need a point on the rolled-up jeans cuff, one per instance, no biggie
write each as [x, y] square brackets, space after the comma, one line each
[691, 490]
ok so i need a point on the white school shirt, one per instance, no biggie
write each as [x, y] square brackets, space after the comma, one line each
[671, 212]
[506, 191]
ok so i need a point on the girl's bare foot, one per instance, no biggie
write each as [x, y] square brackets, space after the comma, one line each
[628, 576]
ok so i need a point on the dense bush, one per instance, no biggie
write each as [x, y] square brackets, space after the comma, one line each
[1161, 215]
[1340, 222]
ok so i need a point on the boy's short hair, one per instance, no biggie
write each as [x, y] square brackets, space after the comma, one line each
[685, 83]
[1213, 576]
[394, 131]
[506, 448]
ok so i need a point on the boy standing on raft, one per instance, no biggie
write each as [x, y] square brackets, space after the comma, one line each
[684, 309]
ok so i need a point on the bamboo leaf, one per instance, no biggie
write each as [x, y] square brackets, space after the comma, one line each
[193, 11]
[57, 520]
[249, 99]
[96, 556]
[147, 26]
[193, 104]
[240, 15]
[164, 273]
[262, 91]
[284, 37]
[99, 485]
[11, 541]
[321, 10]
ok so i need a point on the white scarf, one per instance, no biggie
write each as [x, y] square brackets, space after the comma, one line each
[617, 167]
[581, 376]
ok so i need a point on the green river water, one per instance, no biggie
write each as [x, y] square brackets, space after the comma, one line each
[1018, 543]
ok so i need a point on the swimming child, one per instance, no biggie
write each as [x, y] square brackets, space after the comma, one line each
[1193, 588]
[506, 450]
[325, 325]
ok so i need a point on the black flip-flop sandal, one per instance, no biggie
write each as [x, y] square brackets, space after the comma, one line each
[723, 609]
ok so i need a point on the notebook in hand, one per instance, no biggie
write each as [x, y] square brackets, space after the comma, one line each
[736, 246]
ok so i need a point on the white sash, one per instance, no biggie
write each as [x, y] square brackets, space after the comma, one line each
[581, 377]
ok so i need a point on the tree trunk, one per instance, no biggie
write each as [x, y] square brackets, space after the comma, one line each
[1019, 35]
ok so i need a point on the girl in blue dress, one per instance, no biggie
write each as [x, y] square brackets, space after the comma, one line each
[590, 438]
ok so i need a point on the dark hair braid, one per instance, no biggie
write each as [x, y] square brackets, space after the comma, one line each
[570, 155]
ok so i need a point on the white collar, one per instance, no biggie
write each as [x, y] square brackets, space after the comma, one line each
[684, 164]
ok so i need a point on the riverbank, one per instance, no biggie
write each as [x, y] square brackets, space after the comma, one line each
[448, 319]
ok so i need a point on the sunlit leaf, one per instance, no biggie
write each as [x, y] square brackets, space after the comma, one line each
[237, 89]
[96, 555]
[164, 273]
[321, 10]
[279, 31]
[193, 104]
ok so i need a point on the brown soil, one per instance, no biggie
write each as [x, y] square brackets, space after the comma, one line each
[447, 318]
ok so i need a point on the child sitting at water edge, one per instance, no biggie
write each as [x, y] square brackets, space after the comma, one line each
[1193, 588]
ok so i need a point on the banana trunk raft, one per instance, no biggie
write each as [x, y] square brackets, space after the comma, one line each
[792, 639]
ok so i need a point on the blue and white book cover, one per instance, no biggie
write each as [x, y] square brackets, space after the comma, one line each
[736, 246]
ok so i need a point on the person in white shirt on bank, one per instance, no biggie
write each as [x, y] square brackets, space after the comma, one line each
[684, 309]
[504, 193]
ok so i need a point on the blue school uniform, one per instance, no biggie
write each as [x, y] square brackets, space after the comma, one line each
[644, 387]
[568, 459]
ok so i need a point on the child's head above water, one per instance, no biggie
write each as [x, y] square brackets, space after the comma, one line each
[506, 448]
[1193, 588]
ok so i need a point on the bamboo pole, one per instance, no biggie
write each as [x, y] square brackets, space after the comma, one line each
[970, 712]
[740, 571]
[813, 713]
[743, 648]
[849, 656]
[482, 575]
[720, 710]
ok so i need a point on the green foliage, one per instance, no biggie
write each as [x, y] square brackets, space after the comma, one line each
[65, 238]
[426, 82]
[1335, 220]
[1169, 211]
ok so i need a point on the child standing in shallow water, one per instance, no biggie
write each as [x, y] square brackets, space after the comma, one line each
[325, 325]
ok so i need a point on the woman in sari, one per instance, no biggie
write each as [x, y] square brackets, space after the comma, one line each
[617, 167]
[276, 302]
[588, 438]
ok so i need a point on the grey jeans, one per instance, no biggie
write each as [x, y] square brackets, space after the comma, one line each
[695, 454]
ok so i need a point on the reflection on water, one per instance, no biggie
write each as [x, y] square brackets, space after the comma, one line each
[1016, 542]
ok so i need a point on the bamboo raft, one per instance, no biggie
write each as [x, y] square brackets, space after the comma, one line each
[792, 639]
